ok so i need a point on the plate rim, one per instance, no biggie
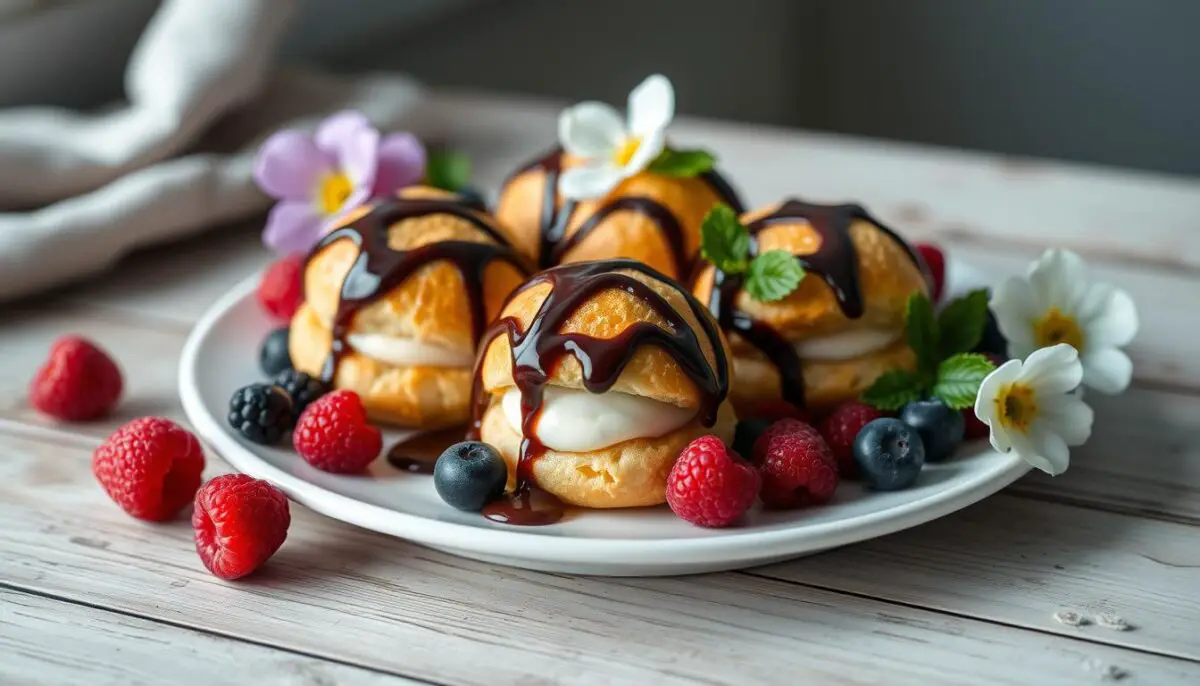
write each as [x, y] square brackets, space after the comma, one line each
[738, 544]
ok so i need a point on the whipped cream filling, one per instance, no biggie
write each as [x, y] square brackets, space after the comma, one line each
[846, 345]
[405, 352]
[574, 420]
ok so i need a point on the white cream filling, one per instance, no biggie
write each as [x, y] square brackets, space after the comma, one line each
[845, 345]
[405, 352]
[575, 420]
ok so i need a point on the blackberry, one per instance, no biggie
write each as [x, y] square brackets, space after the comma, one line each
[302, 388]
[273, 355]
[262, 413]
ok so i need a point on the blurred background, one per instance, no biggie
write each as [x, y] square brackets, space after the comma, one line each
[1105, 81]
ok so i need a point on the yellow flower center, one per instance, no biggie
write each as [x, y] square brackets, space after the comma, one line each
[627, 150]
[332, 192]
[1016, 407]
[1056, 327]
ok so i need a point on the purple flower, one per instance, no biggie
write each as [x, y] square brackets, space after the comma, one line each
[318, 178]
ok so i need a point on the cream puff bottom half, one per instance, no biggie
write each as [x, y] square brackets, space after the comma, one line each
[631, 473]
[414, 396]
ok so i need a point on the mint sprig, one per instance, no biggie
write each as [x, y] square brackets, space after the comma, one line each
[684, 163]
[448, 170]
[768, 277]
[944, 369]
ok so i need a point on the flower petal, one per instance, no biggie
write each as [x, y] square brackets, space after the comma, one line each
[1070, 416]
[985, 399]
[1108, 317]
[1059, 279]
[591, 130]
[1015, 307]
[589, 180]
[1053, 370]
[289, 165]
[1108, 371]
[293, 227]
[649, 149]
[1050, 451]
[651, 105]
[358, 157]
[999, 438]
[401, 163]
[338, 127]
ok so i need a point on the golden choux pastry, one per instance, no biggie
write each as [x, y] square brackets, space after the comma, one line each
[828, 340]
[595, 377]
[396, 300]
[648, 217]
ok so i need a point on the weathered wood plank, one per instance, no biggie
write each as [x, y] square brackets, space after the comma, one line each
[396, 605]
[48, 641]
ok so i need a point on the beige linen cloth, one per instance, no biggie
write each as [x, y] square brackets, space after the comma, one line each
[78, 190]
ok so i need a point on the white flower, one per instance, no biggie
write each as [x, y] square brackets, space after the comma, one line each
[1054, 303]
[613, 150]
[1031, 409]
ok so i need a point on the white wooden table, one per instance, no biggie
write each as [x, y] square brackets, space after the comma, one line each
[91, 596]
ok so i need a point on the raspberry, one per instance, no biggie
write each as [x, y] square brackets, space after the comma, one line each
[840, 429]
[776, 409]
[333, 434]
[79, 381]
[239, 522]
[783, 426]
[281, 289]
[936, 262]
[710, 485]
[150, 467]
[797, 469]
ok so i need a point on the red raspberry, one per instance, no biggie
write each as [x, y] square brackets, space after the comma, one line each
[776, 409]
[239, 522]
[333, 434]
[281, 290]
[151, 467]
[937, 267]
[783, 426]
[78, 382]
[798, 469]
[840, 429]
[710, 485]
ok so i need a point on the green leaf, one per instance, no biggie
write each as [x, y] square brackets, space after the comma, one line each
[724, 241]
[961, 322]
[922, 332]
[682, 162]
[447, 169]
[893, 390]
[773, 275]
[958, 379]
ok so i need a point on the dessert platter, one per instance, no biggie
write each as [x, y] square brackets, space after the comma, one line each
[616, 368]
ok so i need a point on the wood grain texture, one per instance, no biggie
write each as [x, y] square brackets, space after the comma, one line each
[46, 641]
[397, 607]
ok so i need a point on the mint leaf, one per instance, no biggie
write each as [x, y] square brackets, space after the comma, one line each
[922, 332]
[958, 379]
[682, 162]
[961, 322]
[448, 170]
[893, 390]
[724, 241]
[773, 275]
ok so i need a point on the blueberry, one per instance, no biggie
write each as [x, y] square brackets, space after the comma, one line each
[273, 355]
[992, 340]
[469, 475]
[262, 413]
[940, 427]
[472, 198]
[889, 454]
[747, 432]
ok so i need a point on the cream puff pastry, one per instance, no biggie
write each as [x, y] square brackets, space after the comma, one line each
[396, 300]
[840, 329]
[648, 217]
[595, 377]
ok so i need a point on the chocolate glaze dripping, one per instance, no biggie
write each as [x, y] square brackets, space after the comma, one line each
[835, 261]
[378, 268]
[537, 351]
[555, 244]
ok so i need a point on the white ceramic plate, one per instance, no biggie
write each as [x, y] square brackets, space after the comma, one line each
[221, 355]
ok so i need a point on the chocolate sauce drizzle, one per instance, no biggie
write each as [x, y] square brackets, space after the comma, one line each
[554, 219]
[378, 268]
[835, 261]
[537, 351]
